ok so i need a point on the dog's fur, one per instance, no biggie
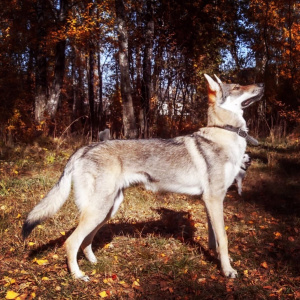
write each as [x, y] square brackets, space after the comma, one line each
[246, 162]
[205, 162]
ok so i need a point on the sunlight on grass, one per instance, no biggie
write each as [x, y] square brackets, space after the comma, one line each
[156, 246]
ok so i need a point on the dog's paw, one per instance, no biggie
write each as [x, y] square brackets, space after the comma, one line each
[84, 278]
[230, 273]
[80, 276]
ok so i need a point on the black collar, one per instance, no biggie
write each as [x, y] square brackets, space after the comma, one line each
[251, 140]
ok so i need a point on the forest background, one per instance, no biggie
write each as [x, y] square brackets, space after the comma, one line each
[137, 67]
[69, 69]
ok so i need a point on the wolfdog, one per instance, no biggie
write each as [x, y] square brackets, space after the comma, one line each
[205, 162]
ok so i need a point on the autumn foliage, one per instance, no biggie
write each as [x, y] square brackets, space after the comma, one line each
[60, 65]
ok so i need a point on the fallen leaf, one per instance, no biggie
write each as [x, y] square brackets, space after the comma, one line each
[124, 284]
[135, 283]
[107, 246]
[277, 235]
[45, 278]
[11, 295]
[264, 265]
[103, 294]
[41, 262]
[267, 287]
[9, 281]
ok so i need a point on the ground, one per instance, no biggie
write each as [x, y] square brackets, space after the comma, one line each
[156, 246]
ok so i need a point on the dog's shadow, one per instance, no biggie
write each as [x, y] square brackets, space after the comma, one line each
[172, 224]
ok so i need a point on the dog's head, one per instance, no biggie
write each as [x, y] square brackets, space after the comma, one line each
[233, 97]
[246, 162]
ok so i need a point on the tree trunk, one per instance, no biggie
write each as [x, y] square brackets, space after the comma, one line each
[59, 69]
[100, 87]
[147, 87]
[91, 81]
[40, 100]
[129, 124]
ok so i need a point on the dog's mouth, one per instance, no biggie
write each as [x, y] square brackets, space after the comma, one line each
[251, 100]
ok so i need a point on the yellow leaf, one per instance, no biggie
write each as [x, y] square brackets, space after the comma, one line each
[45, 278]
[226, 228]
[55, 256]
[62, 233]
[94, 272]
[109, 245]
[40, 226]
[107, 280]
[33, 294]
[135, 283]
[31, 243]
[9, 281]
[18, 216]
[41, 262]
[11, 295]
[103, 294]
[124, 284]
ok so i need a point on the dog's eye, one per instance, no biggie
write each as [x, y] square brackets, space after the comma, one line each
[236, 87]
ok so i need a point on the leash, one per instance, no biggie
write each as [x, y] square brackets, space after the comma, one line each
[242, 133]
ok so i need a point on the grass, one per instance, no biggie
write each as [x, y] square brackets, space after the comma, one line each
[156, 246]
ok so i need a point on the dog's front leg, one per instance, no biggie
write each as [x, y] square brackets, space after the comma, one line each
[214, 206]
[211, 235]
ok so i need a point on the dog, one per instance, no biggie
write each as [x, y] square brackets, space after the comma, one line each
[246, 162]
[206, 162]
[104, 135]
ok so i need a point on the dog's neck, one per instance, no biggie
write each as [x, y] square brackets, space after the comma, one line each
[219, 117]
[225, 119]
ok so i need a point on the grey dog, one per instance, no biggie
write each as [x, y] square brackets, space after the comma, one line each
[206, 162]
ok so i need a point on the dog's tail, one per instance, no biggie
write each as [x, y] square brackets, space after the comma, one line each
[54, 200]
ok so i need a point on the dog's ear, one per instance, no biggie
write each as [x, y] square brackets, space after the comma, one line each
[213, 86]
[218, 79]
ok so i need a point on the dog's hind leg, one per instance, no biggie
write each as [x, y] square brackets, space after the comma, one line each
[214, 206]
[86, 245]
[91, 219]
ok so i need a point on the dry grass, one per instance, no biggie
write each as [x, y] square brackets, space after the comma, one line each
[156, 246]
